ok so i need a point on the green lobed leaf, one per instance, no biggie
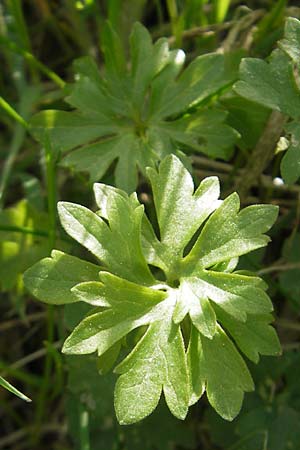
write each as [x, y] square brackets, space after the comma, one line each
[157, 363]
[246, 117]
[254, 337]
[274, 84]
[238, 295]
[270, 84]
[131, 306]
[195, 302]
[113, 51]
[51, 279]
[222, 371]
[229, 233]
[70, 129]
[97, 157]
[205, 76]
[179, 211]
[290, 164]
[290, 42]
[117, 245]
[130, 117]
[204, 131]
[196, 247]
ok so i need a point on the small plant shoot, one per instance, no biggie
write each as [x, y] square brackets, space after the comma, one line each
[195, 317]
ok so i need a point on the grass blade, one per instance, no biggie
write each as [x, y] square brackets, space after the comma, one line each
[13, 390]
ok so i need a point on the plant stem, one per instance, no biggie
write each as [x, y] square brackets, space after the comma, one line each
[33, 61]
[13, 113]
[34, 356]
[46, 383]
[28, 96]
[279, 268]
[8, 324]
[261, 155]
[51, 190]
[174, 16]
[15, 436]
[288, 324]
[84, 428]
[51, 197]
[220, 9]
[13, 390]
[24, 230]
[205, 30]
[15, 146]
[25, 377]
[16, 10]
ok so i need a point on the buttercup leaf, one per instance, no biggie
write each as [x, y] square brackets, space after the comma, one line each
[222, 370]
[136, 116]
[184, 322]
[157, 362]
[275, 84]
[52, 279]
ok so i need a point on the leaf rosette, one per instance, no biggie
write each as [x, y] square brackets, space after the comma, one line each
[130, 116]
[177, 287]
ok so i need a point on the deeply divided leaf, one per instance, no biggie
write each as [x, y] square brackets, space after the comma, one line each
[275, 84]
[130, 116]
[166, 299]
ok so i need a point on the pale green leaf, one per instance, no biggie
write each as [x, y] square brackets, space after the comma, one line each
[236, 294]
[224, 373]
[193, 301]
[117, 245]
[131, 306]
[157, 363]
[197, 247]
[196, 375]
[102, 194]
[229, 233]
[51, 279]
[153, 250]
[254, 337]
[180, 211]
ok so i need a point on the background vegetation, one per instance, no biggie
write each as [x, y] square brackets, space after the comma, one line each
[72, 405]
